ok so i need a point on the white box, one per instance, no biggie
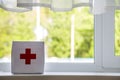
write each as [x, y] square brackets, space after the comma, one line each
[27, 57]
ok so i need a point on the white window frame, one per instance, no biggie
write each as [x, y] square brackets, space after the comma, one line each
[103, 46]
[109, 58]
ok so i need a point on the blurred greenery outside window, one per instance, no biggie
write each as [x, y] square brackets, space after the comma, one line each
[117, 33]
[60, 27]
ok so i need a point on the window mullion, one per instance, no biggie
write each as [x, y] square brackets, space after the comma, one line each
[98, 39]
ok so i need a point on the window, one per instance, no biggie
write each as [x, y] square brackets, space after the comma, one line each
[76, 25]
[75, 41]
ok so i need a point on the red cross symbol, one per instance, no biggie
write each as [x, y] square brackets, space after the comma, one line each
[27, 56]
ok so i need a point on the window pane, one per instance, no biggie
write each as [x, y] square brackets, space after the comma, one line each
[70, 34]
[58, 26]
[14, 26]
[117, 33]
[84, 33]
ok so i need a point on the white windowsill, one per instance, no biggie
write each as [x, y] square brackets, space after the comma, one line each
[61, 76]
[64, 74]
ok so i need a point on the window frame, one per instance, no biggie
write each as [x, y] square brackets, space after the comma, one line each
[109, 40]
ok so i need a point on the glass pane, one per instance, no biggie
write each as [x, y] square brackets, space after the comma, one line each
[84, 33]
[70, 34]
[58, 37]
[14, 26]
[117, 33]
